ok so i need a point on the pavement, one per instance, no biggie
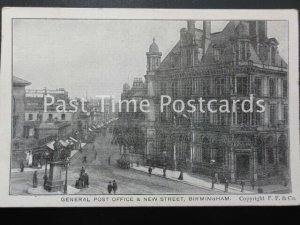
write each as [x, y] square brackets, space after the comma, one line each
[188, 179]
[205, 183]
[41, 191]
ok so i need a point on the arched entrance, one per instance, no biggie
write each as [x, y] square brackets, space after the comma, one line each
[206, 153]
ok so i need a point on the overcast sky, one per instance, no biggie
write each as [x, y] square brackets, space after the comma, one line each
[98, 56]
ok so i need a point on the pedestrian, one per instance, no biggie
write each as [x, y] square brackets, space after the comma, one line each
[180, 175]
[84, 159]
[22, 166]
[82, 171]
[164, 171]
[226, 184]
[149, 171]
[35, 179]
[108, 160]
[217, 178]
[93, 147]
[86, 180]
[95, 155]
[242, 186]
[115, 186]
[109, 187]
[45, 177]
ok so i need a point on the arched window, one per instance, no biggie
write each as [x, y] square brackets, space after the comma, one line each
[206, 150]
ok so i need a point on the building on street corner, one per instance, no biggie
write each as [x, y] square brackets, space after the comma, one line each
[235, 63]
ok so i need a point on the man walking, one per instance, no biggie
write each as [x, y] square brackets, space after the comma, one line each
[226, 185]
[35, 179]
[150, 171]
[164, 171]
[109, 187]
[115, 186]
[22, 166]
[108, 160]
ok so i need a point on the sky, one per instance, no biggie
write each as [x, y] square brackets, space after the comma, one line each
[96, 57]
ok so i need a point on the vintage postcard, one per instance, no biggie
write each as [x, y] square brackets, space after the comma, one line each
[148, 107]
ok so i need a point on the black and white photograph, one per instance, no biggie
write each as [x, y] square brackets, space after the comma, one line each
[119, 108]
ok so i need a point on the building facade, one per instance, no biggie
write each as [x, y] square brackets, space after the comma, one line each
[233, 64]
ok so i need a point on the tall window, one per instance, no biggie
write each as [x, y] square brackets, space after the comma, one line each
[273, 56]
[243, 118]
[163, 88]
[258, 118]
[206, 86]
[217, 54]
[30, 117]
[242, 84]
[285, 114]
[174, 89]
[50, 117]
[63, 116]
[272, 114]
[272, 87]
[258, 86]
[284, 88]
[189, 57]
[220, 86]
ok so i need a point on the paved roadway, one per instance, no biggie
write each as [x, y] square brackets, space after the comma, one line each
[100, 173]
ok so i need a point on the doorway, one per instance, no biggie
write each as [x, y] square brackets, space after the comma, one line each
[242, 166]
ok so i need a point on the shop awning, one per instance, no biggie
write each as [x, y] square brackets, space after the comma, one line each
[50, 145]
[73, 139]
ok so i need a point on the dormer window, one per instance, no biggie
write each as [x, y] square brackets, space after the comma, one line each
[244, 50]
[273, 55]
[217, 54]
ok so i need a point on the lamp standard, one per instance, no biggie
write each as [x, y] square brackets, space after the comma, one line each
[66, 164]
[212, 163]
[46, 155]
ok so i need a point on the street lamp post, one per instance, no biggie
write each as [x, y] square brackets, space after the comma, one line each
[66, 177]
[212, 162]
[46, 166]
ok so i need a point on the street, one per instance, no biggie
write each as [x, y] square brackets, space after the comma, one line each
[100, 173]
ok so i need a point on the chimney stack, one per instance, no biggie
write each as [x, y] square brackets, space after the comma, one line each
[206, 34]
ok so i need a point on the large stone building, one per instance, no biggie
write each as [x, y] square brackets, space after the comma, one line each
[231, 64]
[131, 124]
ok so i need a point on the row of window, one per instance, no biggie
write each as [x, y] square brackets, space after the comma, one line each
[50, 117]
[240, 117]
[203, 87]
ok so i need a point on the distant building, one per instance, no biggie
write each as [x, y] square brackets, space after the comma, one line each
[18, 118]
[131, 123]
[103, 115]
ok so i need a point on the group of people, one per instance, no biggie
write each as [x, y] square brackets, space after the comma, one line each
[83, 180]
[112, 187]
